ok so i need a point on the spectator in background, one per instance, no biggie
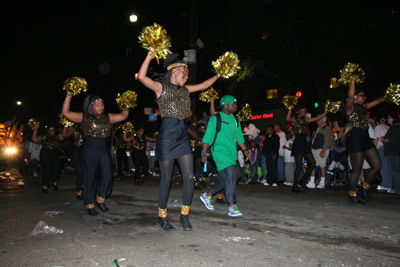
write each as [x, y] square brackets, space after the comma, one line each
[281, 160]
[205, 117]
[380, 131]
[271, 153]
[250, 130]
[321, 143]
[263, 163]
[392, 149]
[289, 159]
[254, 162]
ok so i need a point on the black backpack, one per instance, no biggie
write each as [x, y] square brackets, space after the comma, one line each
[218, 129]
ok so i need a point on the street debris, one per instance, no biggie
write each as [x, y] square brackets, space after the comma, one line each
[43, 228]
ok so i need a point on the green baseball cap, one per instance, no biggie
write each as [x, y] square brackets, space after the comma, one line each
[227, 99]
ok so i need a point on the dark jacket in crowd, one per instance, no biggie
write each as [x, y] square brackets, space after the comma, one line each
[323, 138]
[393, 146]
[271, 145]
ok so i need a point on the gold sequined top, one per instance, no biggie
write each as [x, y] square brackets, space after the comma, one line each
[359, 117]
[121, 143]
[199, 139]
[300, 126]
[78, 137]
[95, 125]
[174, 102]
[140, 142]
[50, 141]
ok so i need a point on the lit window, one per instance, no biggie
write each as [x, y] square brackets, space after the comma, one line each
[334, 83]
[272, 93]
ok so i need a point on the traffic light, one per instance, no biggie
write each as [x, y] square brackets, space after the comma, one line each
[316, 104]
[298, 94]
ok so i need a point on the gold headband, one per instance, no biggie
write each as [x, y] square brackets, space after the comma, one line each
[177, 65]
[300, 110]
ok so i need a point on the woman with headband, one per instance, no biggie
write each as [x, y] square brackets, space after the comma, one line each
[300, 148]
[173, 141]
[95, 156]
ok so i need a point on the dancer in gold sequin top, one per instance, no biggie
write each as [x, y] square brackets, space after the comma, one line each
[95, 156]
[173, 142]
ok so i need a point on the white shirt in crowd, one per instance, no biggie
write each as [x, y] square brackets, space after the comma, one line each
[282, 142]
[252, 131]
[288, 153]
[241, 158]
[380, 131]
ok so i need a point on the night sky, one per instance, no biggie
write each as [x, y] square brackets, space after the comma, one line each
[44, 42]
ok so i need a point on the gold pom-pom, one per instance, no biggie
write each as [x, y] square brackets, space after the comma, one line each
[156, 36]
[332, 106]
[127, 100]
[290, 101]
[207, 94]
[351, 70]
[127, 127]
[226, 65]
[75, 85]
[393, 94]
[33, 123]
[64, 121]
[193, 142]
[155, 136]
[245, 113]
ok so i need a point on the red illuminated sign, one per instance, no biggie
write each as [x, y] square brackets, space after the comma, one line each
[262, 116]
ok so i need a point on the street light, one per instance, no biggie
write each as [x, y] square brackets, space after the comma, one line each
[19, 103]
[134, 17]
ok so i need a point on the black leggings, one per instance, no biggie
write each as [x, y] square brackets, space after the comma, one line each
[166, 167]
[357, 160]
[310, 166]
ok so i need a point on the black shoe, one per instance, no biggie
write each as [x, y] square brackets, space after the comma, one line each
[252, 183]
[364, 194]
[92, 212]
[197, 187]
[355, 200]
[303, 184]
[184, 220]
[55, 187]
[79, 197]
[164, 224]
[45, 191]
[295, 189]
[142, 180]
[137, 182]
[220, 201]
[102, 207]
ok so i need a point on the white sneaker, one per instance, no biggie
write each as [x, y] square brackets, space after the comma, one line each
[382, 189]
[289, 184]
[274, 184]
[391, 191]
[310, 185]
[321, 186]
[285, 183]
[263, 181]
[266, 184]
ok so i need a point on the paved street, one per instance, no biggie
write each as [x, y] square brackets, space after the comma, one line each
[279, 228]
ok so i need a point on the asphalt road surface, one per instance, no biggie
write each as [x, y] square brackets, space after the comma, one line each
[278, 228]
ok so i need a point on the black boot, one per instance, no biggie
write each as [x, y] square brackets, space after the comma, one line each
[295, 189]
[45, 191]
[92, 212]
[55, 187]
[164, 224]
[79, 197]
[355, 200]
[102, 207]
[303, 183]
[184, 220]
[220, 201]
[137, 182]
[364, 194]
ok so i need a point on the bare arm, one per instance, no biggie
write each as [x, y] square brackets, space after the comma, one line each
[35, 138]
[146, 81]
[350, 96]
[68, 131]
[128, 139]
[246, 152]
[149, 139]
[212, 106]
[289, 115]
[72, 116]
[317, 118]
[204, 153]
[117, 117]
[375, 102]
[204, 85]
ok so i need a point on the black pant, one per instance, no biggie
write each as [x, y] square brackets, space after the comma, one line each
[76, 164]
[122, 158]
[96, 167]
[272, 168]
[140, 161]
[50, 166]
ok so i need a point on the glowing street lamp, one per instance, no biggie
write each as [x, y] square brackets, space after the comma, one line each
[133, 18]
[19, 103]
